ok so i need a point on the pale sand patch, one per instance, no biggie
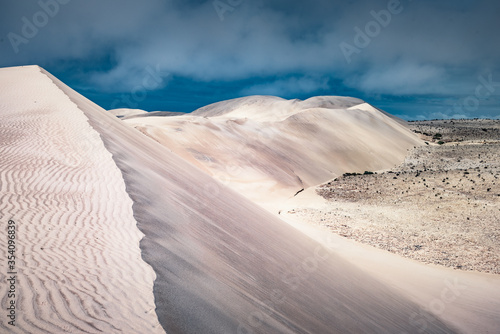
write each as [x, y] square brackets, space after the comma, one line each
[79, 266]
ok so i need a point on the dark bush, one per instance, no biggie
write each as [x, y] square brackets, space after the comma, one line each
[350, 174]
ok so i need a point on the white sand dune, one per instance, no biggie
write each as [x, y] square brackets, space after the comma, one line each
[226, 140]
[268, 148]
[79, 183]
[222, 264]
[79, 266]
[124, 112]
[225, 265]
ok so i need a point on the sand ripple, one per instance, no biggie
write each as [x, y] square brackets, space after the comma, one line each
[79, 263]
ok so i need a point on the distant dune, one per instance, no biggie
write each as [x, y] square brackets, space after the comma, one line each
[124, 112]
[82, 185]
[135, 113]
[268, 148]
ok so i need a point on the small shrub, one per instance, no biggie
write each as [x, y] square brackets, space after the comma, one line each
[350, 174]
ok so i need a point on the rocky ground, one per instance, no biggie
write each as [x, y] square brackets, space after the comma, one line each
[441, 206]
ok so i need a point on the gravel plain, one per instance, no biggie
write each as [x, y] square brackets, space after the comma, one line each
[440, 206]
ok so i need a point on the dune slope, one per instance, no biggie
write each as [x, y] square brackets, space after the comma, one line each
[225, 265]
[268, 148]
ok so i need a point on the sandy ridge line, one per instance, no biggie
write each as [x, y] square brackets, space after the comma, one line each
[275, 155]
[68, 282]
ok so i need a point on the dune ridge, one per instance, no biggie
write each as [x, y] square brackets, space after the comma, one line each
[268, 148]
[221, 263]
[78, 258]
[473, 305]
[225, 265]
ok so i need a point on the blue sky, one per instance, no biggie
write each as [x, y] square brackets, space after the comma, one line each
[416, 59]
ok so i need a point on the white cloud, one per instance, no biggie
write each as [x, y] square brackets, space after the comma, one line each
[400, 79]
[284, 87]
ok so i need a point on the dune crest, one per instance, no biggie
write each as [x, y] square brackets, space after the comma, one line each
[268, 148]
[124, 112]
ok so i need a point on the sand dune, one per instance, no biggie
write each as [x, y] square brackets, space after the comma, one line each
[124, 112]
[79, 182]
[268, 148]
[137, 113]
[225, 265]
[79, 266]
[222, 264]
[473, 305]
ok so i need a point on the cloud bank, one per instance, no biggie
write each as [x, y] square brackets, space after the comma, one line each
[401, 48]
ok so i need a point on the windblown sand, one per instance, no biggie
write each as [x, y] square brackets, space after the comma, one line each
[80, 184]
[78, 261]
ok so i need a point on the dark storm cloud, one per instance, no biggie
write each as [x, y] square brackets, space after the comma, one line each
[379, 48]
